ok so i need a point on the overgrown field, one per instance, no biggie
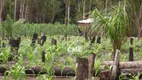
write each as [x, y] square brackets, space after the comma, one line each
[63, 55]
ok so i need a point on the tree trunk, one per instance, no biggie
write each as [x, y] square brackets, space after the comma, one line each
[22, 8]
[1, 9]
[15, 9]
[67, 11]
[26, 11]
[53, 13]
[84, 1]
[90, 8]
[78, 10]
[138, 22]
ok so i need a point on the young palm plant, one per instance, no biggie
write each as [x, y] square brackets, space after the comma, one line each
[115, 24]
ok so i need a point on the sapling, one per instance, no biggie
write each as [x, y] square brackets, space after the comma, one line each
[97, 66]
[17, 72]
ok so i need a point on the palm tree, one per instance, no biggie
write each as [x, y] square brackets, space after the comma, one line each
[114, 23]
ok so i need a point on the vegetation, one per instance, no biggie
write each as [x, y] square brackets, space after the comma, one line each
[27, 29]
[114, 22]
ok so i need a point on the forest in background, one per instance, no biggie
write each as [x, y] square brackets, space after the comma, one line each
[68, 11]
[51, 11]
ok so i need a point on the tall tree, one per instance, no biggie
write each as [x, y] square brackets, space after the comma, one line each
[135, 15]
[1, 9]
[15, 9]
[67, 11]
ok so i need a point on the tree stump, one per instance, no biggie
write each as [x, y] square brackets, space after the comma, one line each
[82, 69]
[91, 64]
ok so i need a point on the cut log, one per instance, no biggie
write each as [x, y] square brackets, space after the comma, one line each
[125, 65]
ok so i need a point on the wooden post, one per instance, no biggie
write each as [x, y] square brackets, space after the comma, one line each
[35, 37]
[43, 38]
[131, 41]
[85, 35]
[91, 65]
[115, 66]
[99, 40]
[92, 40]
[131, 56]
[82, 69]
[43, 56]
